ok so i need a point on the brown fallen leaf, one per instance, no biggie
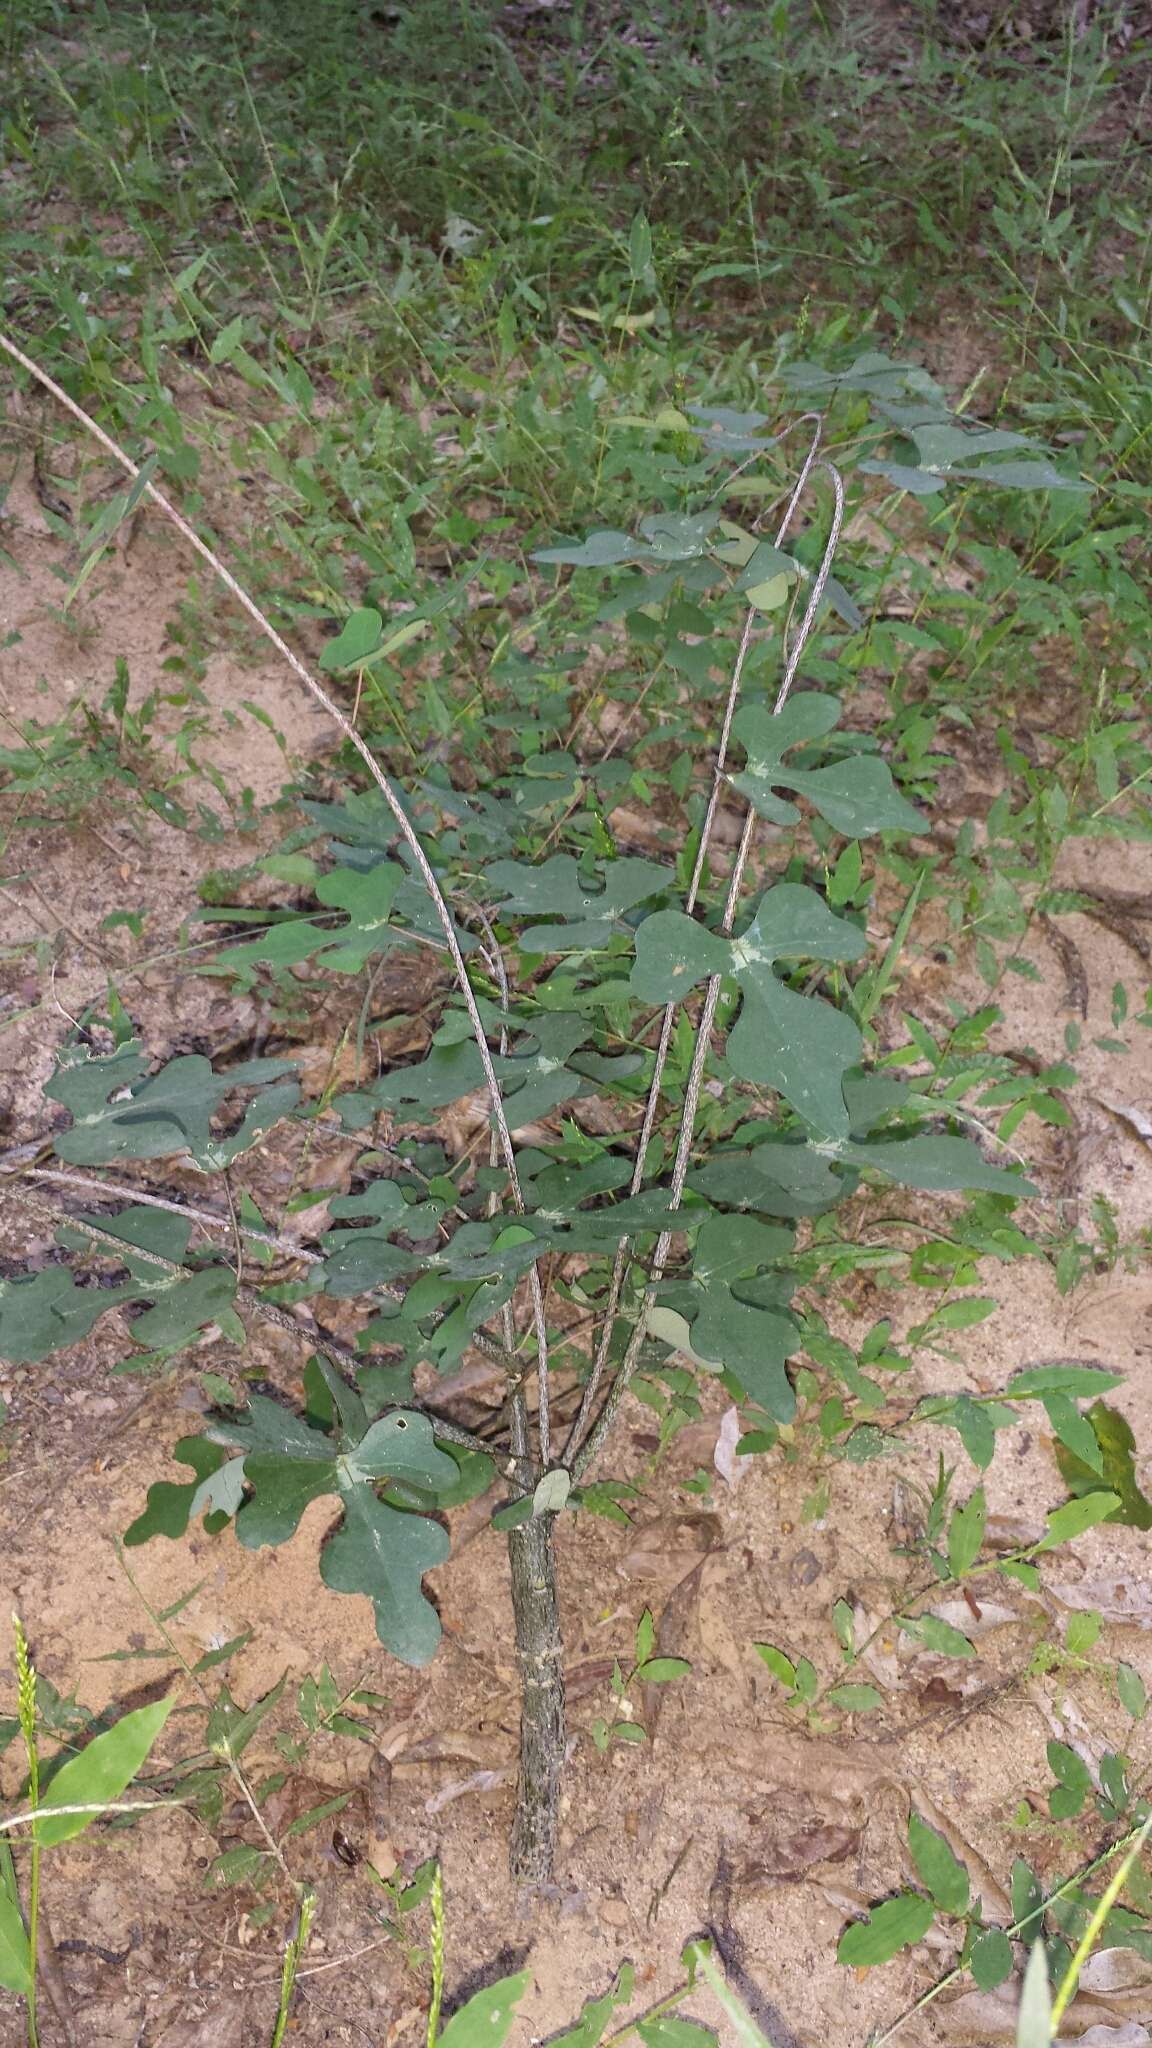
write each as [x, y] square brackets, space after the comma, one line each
[1117, 1600]
[480, 1781]
[669, 1547]
[788, 1846]
[223, 2026]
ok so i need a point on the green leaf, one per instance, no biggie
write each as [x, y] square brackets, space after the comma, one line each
[855, 1699]
[15, 1950]
[895, 1925]
[779, 1664]
[856, 796]
[991, 1959]
[645, 1636]
[1076, 1516]
[966, 1533]
[668, 2030]
[384, 1553]
[485, 2020]
[662, 1670]
[169, 1504]
[1132, 1690]
[359, 637]
[1034, 2025]
[939, 1870]
[596, 2013]
[1116, 1444]
[936, 1635]
[1078, 1381]
[401, 1446]
[163, 1114]
[603, 549]
[101, 1772]
[939, 1165]
[552, 1491]
[1074, 1432]
[47, 1312]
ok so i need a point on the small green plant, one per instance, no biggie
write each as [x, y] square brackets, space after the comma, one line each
[60, 1800]
[646, 1669]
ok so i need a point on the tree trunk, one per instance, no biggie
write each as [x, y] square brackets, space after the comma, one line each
[532, 1551]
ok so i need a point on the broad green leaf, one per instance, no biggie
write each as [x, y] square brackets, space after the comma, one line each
[966, 1533]
[936, 1635]
[1132, 1690]
[778, 1662]
[991, 1959]
[552, 1492]
[1065, 1377]
[798, 1045]
[939, 1165]
[15, 1950]
[169, 1504]
[401, 1446]
[596, 2013]
[857, 796]
[101, 1772]
[1074, 1432]
[604, 549]
[359, 637]
[895, 1925]
[267, 1427]
[668, 2030]
[162, 1114]
[1117, 1471]
[673, 953]
[1034, 2025]
[855, 1699]
[184, 1306]
[1076, 1516]
[384, 1553]
[47, 1312]
[485, 2020]
[281, 1490]
[662, 1670]
[940, 1871]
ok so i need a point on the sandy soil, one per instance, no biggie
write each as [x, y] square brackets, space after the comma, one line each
[732, 1817]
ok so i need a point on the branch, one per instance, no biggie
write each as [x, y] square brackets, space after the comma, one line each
[407, 830]
[211, 1219]
[341, 1354]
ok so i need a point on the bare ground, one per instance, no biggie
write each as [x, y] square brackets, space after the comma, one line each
[732, 1818]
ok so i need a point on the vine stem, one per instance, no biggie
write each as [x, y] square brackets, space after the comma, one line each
[344, 725]
[652, 1105]
[1135, 1838]
[616, 1392]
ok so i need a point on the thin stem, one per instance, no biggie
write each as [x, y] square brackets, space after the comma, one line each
[652, 1105]
[331, 1348]
[437, 1945]
[297, 1943]
[1069, 1884]
[695, 1082]
[26, 1715]
[406, 829]
[1104, 1905]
